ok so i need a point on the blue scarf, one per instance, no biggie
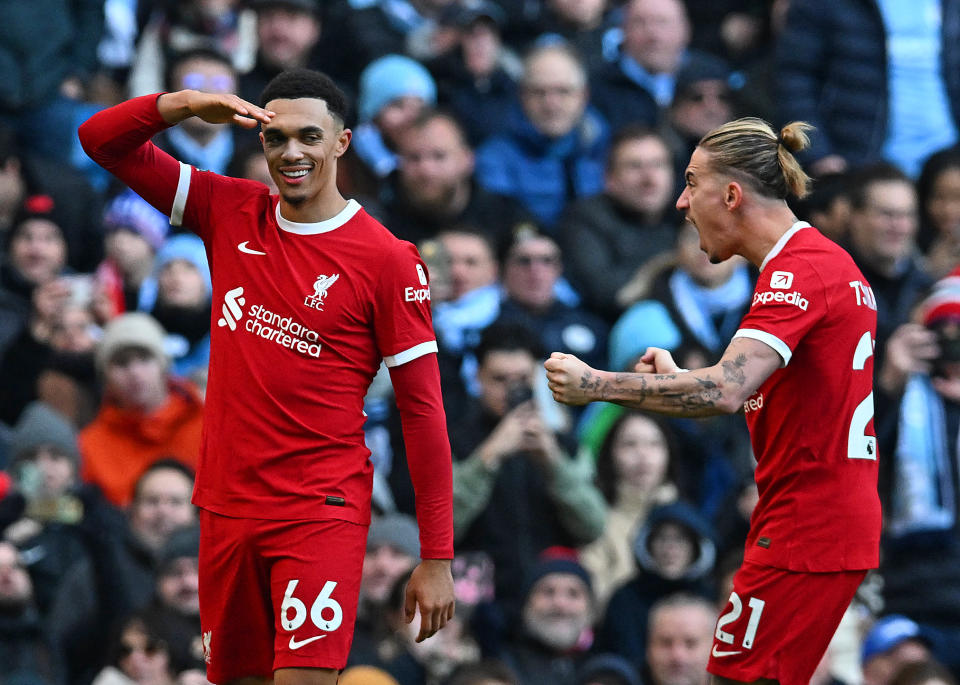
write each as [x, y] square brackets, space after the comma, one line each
[214, 156]
[660, 86]
[372, 149]
[923, 492]
[698, 305]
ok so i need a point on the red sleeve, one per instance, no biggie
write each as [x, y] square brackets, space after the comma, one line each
[416, 385]
[118, 139]
[402, 322]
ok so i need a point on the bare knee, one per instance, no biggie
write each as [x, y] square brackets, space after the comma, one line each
[305, 676]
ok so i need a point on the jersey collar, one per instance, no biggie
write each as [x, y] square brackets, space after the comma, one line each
[772, 253]
[324, 226]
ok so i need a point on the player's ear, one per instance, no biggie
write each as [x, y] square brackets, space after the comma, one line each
[733, 195]
[343, 141]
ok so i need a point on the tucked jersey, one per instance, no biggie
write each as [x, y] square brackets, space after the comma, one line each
[811, 421]
[303, 315]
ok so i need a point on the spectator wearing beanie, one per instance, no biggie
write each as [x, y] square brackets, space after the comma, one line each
[917, 414]
[44, 466]
[146, 413]
[393, 91]
[183, 290]
[135, 232]
[556, 622]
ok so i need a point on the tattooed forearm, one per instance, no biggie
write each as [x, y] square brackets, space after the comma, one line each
[705, 397]
[622, 386]
[733, 370]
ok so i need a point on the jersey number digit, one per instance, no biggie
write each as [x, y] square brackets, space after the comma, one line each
[322, 602]
[859, 444]
[756, 608]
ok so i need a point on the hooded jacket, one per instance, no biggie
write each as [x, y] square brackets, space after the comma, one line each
[624, 627]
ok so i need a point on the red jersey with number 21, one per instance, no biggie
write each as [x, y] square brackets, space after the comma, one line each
[811, 421]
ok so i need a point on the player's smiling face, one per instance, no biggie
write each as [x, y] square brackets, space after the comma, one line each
[302, 144]
[703, 204]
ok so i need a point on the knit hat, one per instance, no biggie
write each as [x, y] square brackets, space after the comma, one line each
[887, 633]
[40, 425]
[131, 212]
[396, 530]
[943, 303]
[182, 543]
[134, 329]
[550, 563]
[607, 668]
[392, 77]
[466, 12]
[188, 247]
[698, 67]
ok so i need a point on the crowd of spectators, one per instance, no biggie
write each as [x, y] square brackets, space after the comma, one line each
[533, 151]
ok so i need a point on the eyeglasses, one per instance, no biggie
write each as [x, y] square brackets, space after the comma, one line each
[153, 646]
[531, 259]
[194, 80]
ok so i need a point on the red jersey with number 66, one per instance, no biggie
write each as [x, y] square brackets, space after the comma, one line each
[811, 421]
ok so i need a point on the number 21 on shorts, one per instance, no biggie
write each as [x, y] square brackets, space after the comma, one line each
[756, 609]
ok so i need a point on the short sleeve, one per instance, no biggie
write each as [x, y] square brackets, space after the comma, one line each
[790, 298]
[402, 323]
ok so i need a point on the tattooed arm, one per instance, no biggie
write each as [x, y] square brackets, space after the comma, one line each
[718, 389]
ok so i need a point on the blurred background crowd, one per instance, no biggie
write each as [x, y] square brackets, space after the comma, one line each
[533, 150]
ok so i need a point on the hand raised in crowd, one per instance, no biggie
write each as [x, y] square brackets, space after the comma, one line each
[521, 429]
[214, 108]
[49, 300]
[537, 439]
[911, 349]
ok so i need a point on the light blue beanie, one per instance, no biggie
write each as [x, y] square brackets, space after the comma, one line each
[188, 247]
[392, 77]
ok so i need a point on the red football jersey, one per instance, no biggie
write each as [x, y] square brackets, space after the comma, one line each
[303, 314]
[811, 422]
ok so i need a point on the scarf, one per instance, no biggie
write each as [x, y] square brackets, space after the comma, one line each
[923, 492]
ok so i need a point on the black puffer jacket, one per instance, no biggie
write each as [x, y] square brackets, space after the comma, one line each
[831, 71]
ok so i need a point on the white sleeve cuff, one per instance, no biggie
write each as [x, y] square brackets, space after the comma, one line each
[411, 354]
[773, 341]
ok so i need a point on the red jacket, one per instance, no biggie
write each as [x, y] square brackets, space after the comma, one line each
[119, 444]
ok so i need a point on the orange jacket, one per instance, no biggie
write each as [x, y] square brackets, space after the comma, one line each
[119, 443]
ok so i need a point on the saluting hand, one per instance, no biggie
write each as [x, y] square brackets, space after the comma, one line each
[214, 108]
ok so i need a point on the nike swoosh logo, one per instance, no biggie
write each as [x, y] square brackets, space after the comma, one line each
[297, 645]
[717, 653]
[249, 250]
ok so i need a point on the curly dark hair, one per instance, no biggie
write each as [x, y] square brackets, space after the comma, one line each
[306, 83]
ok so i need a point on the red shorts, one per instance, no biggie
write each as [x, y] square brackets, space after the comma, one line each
[277, 594]
[777, 623]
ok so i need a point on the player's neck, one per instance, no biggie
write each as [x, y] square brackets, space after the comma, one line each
[322, 207]
[764, 226]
